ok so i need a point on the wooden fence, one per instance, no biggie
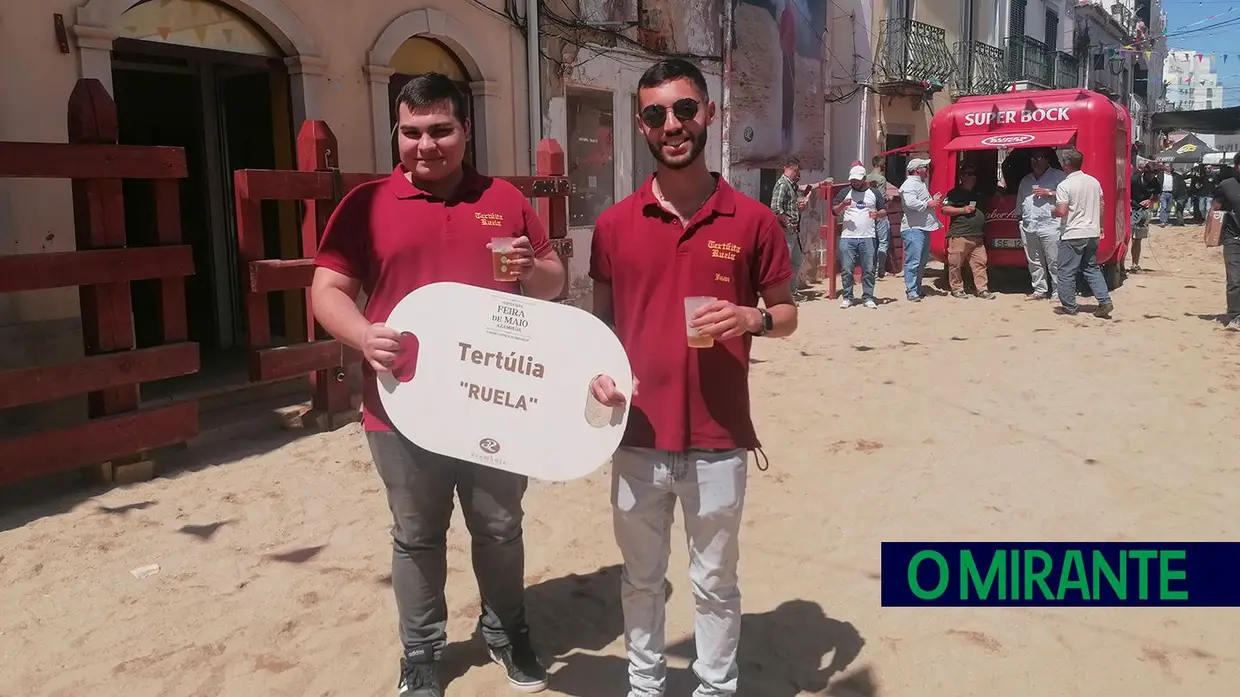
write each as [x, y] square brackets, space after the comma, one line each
[118, 431]
[319, 184]
[102, 269]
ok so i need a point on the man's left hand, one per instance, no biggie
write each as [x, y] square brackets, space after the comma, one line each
[520, 258]
[723, 320]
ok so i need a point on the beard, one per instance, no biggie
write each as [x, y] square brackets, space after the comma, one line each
[696, 145]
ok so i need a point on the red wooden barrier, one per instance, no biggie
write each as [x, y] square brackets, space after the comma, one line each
[319, 184]
[102, 269]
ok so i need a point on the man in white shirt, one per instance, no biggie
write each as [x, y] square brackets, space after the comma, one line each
[1078, 203]
[920, 219]
[860, 206]
[1039, 229]
[1166, 197]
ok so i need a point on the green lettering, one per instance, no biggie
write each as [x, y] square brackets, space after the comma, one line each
[1101, 567]
[944, 574]
[969, 577]
[1038, 577]
[1073, 575]
[1143, 556]
[1166, 575]
[1014, 593]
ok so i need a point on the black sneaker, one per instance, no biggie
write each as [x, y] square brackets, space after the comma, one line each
[1104, 310]
[525, 673]
[959, 294]
[417, 675]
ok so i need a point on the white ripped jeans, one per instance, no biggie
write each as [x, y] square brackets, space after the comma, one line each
[711, 488]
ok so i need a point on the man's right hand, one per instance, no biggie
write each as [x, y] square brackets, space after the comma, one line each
[380, 346]
[604, 390]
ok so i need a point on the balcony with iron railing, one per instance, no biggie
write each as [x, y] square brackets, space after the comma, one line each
[1067, 70]
[1124, 17]
[1029, 61]
[980, 69]
[911, 52]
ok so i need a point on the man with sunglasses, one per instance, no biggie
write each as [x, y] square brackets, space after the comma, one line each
[685, 233]
[1039, 228]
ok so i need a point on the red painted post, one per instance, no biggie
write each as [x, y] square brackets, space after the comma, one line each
[830, 239]
[317, 150]
[553, 210]
[172, 307]
[99, 222]
[251, 247]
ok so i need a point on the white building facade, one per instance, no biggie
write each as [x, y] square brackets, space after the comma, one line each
[1192, 82]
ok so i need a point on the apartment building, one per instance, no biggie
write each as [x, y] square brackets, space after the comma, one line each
[931, 52]
[1191, 80]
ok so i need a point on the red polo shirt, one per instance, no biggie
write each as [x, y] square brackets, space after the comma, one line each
[396, 238]
[732, 249]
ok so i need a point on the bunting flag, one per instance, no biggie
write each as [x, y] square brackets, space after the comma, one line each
[201, 32]
[163, 32]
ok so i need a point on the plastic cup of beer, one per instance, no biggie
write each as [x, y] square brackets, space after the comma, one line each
[697, 339]
[501, 249]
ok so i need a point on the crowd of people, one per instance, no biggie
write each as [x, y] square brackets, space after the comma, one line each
[1059, 209]
[1181, 195]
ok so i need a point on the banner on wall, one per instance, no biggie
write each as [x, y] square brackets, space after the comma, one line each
[777, 94]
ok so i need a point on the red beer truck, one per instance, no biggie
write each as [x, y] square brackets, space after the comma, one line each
[997, 133]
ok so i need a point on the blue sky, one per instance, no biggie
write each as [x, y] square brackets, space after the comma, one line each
[1206, 39]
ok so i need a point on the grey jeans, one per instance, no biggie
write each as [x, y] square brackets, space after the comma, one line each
[711, 488]
[1042, 253]
[420, 487]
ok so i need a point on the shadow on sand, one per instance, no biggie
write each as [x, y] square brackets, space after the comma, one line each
[781, 655]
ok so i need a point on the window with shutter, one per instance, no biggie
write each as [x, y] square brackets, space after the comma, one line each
[1052, 30]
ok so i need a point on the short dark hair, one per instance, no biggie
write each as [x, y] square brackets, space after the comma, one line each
[670, 69]
[877, 160]
[791, 162]
[1236, 160]
[426, 90]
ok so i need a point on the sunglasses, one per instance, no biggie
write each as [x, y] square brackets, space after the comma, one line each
[655, 115]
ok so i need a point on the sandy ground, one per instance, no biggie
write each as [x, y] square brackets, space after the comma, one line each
[945, 420]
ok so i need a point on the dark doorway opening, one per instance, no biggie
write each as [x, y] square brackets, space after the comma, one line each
[225, 110]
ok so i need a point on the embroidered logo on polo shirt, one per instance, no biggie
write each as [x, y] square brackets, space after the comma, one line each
[723, 250]
[490, 219]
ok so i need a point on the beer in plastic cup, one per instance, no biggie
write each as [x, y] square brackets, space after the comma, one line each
[695, 338]
[501, 247]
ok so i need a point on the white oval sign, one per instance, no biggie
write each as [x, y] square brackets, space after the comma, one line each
[504, 381]
[1014, 139]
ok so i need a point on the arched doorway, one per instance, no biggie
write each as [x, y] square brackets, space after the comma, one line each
[199, 75]
[420, 54]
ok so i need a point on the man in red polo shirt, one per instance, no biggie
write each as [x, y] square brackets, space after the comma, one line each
[685, 233]
[432, 220]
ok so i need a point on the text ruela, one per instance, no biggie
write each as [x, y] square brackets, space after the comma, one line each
[509, 362]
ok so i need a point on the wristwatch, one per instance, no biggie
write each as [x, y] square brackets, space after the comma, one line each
[768, 323]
